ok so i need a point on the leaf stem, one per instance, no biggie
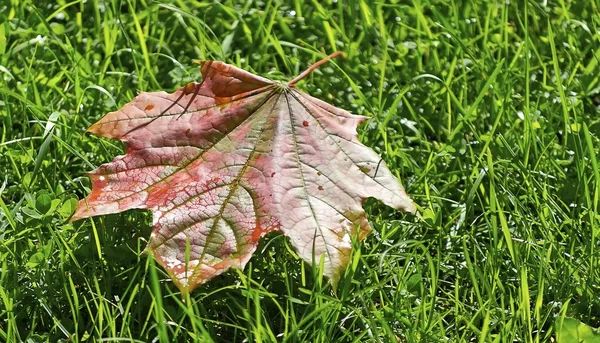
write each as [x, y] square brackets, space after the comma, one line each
[313, 67]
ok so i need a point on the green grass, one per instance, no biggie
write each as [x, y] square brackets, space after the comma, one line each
[489, 113]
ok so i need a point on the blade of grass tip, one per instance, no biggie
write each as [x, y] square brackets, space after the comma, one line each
[266, 29]
[73, 298]
[3, 30]
[447, 27]
[44, 149]
[472, 275]
[485, 328]
[313, 67]
[5, 209]
[528, 131]
[539, 303]
[499, 210]
[56, 320]
[61, 9]
[471, 110]
[257, 327]
[559, 85]
[3, 335]
[97, 241]
[301, 48]
[525, 305]
[594, 162]
[422, 19]
[382, 77]
[277, 46]
[109, 36]
[265, 24]
[142, 40]
[101, 307]
[127, 314]
[158, 304]
[99, 89]
[485, 88]
[12, 334]
[329, 33]
[74, 151]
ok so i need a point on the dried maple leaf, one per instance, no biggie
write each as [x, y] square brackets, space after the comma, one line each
[222, 162]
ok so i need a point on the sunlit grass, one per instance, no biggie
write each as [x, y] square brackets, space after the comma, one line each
[487, 111]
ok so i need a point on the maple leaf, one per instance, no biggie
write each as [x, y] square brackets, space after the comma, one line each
[223, 162]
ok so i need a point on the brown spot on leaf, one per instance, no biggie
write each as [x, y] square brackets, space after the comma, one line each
[149, 107]
[320, 188]
[189, 88]
[305, 123]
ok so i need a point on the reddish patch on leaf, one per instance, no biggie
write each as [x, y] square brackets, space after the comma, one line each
[257, 233]
[199, 161]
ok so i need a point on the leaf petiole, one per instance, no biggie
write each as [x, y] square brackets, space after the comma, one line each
[313, 67]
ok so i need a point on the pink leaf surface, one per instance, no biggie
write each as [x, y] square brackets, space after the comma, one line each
[223, 162]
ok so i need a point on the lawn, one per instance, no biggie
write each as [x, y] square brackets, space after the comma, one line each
[488, 111]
